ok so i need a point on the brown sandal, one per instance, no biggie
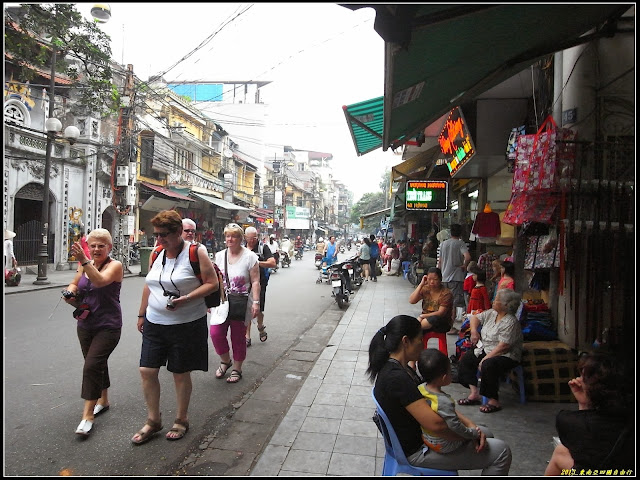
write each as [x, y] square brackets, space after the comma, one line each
[146, 436]
[181, 430]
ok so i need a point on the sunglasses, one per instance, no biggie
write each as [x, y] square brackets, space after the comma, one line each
[161, 234]
[188, 230]
[232, 225]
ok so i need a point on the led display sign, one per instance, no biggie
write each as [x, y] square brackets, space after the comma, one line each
[455, 141]
[427, 195]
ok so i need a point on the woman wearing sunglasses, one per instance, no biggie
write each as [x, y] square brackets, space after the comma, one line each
[173, 322]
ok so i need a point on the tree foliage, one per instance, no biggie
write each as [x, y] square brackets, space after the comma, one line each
[83, 51]
[369, 203]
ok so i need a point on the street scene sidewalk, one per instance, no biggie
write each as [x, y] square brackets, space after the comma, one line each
[328, 430]
[312, 415]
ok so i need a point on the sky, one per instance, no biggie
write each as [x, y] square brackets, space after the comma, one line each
[318, 56]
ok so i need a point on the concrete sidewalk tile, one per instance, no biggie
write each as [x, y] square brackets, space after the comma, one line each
[289, 473]
[355, 445]
[328, 353]
[358, 400]
[345, 465]
[320, 425]
[326, 411]
[359, 412]
[331, 399]
[319, 370]
[270, 462]
[339, 379]
[245, 437]
[259, 411]
[314, 442]
[346, 356]
[360, 390]
[301, 461]
[296, 366]
[332, 388]
[358, 428]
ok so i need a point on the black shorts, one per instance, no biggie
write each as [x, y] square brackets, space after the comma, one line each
[182, 348]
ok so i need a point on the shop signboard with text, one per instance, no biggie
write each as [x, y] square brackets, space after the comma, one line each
[427, 195]
[455, 141]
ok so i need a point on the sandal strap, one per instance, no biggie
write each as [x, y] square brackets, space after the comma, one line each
[154, 425]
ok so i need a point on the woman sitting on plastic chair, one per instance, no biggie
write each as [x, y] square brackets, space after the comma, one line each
[396, 390]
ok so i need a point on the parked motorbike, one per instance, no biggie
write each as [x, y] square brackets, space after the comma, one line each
[416, 271]
[318, 260]
[339, 286]
[134, 253]
[298, 255]
[285, 259]
[356, 271]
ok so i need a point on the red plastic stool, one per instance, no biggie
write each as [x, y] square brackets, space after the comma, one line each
[442, 340]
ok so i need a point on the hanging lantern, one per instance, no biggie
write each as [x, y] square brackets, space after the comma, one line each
[101, 12]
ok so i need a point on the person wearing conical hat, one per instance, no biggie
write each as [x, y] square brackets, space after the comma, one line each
[9, 258]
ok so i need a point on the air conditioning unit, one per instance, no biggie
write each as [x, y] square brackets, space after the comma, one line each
[122, 176]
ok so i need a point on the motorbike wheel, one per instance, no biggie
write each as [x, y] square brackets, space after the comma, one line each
[342, 303]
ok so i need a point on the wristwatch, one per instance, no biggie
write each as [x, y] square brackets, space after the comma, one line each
[256, 301]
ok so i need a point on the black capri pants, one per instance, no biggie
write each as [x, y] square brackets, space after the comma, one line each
[96, 346]
[493, 369]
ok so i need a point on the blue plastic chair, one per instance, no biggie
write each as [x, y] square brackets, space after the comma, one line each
[405, 269]
[520, 374]
[395, 460]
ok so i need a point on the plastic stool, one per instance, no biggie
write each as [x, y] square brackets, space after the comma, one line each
[442, 340]
[405, 269]
[520, 374]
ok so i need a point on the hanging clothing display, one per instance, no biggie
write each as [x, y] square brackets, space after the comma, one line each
[486, 227]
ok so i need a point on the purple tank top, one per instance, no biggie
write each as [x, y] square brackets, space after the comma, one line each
[104, 304]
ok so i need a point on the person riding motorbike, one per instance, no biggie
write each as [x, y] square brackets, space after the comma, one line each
[287, 246]
[299, 246]
[273, 246]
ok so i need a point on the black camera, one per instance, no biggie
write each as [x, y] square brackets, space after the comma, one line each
[68, 294]
[171, 295]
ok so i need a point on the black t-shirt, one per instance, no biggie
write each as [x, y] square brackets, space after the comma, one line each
[266, 255]
[590, 435]
[395, 389]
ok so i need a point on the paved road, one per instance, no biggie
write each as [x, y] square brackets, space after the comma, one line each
[43, 368]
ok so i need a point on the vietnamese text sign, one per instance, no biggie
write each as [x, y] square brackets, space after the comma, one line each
[427, 195]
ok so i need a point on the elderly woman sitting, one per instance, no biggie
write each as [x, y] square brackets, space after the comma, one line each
[498, 350]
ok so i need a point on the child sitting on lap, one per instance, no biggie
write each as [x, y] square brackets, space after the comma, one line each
[435, 369]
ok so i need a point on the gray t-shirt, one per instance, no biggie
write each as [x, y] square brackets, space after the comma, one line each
[451, 259]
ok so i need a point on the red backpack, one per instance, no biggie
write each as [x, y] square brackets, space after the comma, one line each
[213, 299]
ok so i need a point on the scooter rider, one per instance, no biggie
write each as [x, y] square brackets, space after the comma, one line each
[273, 246]
[330, 251]
[287, 246]
[298, 245]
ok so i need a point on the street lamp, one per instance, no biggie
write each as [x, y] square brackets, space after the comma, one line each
[52, 126]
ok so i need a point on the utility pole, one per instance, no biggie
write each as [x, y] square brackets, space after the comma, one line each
[124, 178]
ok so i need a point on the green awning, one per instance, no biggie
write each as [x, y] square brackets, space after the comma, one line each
[365, 120]
[438, 56]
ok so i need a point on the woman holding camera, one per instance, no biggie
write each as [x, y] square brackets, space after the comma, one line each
[95, 292]
[173, 322]
[239, 265]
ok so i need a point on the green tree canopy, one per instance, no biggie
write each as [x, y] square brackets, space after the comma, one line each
[83, 50]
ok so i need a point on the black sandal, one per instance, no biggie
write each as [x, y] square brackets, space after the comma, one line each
[263, 333]
[222, 369]
[235, 376]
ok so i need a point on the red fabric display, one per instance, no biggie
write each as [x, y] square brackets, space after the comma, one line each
[540, 161]
[486, 225]
[531, 207]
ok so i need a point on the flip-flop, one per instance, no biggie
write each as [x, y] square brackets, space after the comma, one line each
[98, 409]
[488, 408]
[466, 401]
[263, 333]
